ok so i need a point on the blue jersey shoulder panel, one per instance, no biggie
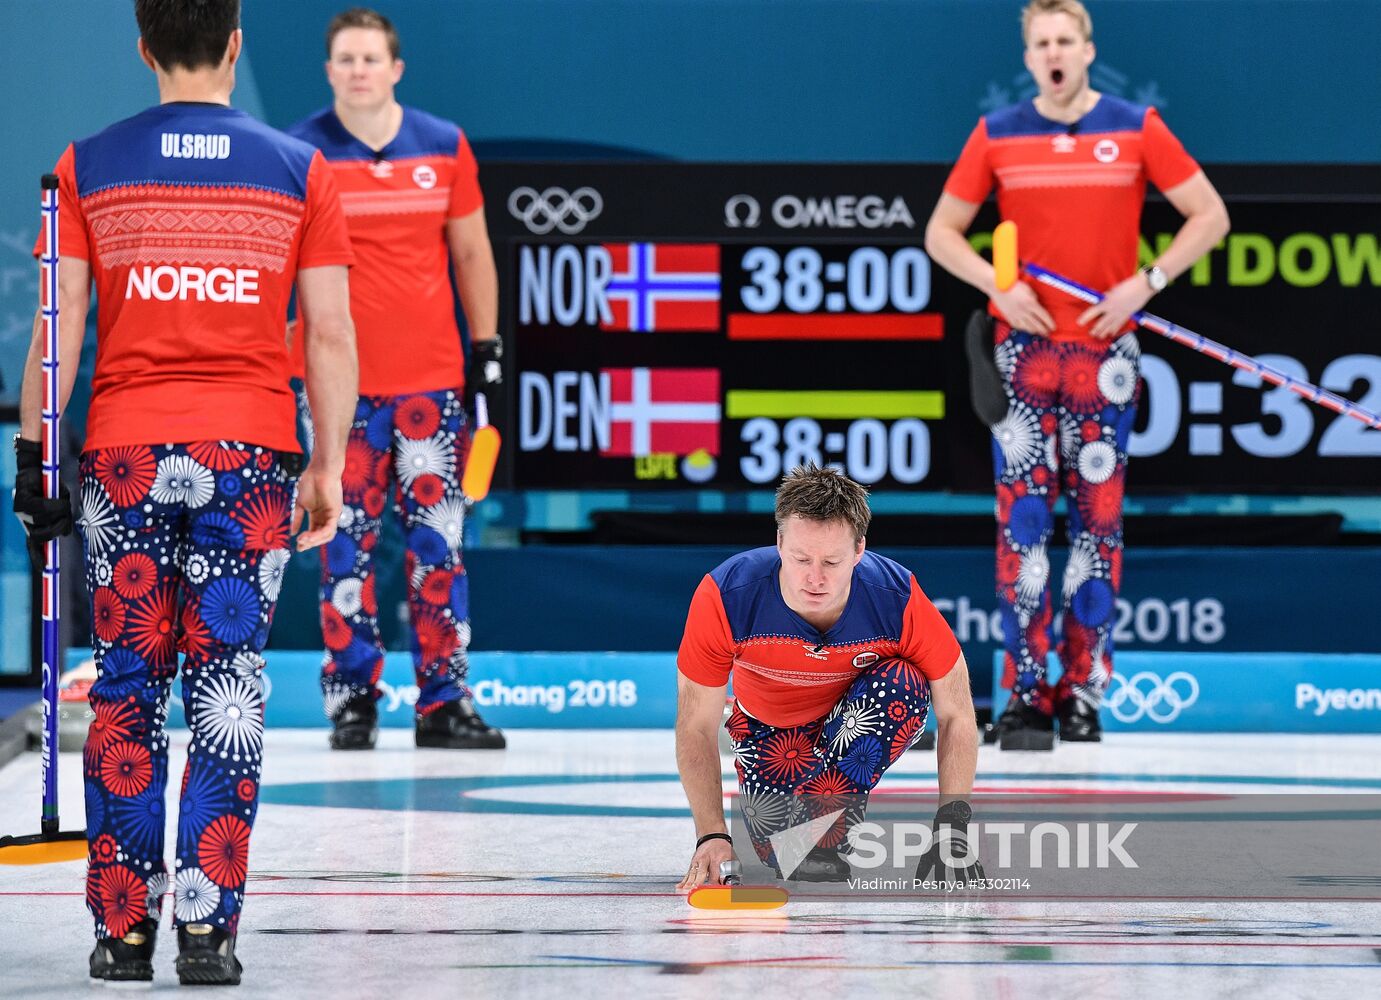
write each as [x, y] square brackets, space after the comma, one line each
[1019, 119]
[197, 145]
[1110, 114]
[421, 134]
[324, 131]
[753, 604]
[747, 585]
[1113, 114]
[877, 601]
[424, 134]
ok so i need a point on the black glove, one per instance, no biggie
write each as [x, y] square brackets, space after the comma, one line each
[43, 519]
[484, 373]
[951, 829]
[986, 392]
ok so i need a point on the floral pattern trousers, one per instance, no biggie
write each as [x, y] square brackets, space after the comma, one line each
[185, 546]
[410, 449]
[1071, 411]
[789, 776]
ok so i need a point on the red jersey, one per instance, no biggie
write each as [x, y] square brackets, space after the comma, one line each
[195, 219]
[786, 672]
[1074, 191]
[397, 202]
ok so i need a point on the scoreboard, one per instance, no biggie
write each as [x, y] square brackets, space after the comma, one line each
[674, 325]
[724, 364]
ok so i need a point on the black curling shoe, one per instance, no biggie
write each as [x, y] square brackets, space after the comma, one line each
[356, 725]
[822, 864]
[127, 959]
[206, 956]
[456, 725]
[1021, 727]
[1079, 722]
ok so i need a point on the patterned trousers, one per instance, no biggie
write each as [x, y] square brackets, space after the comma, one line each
[185, 548]
[1072, 406]
[410, 449]
[789, 776]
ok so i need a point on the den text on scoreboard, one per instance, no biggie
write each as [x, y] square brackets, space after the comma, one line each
[694, 363]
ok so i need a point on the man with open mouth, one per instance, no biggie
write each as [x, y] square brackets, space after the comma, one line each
[1058, 381]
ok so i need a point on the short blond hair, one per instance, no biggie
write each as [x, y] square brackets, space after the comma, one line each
[1073, 8]
[363, 17]
[818, 494]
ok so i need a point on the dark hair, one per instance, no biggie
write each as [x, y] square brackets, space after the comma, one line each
[187, 33]
[823, 495]
[363, 17]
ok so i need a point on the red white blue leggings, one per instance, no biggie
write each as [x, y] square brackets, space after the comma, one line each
[789, 776]
[1072, 406]
[409, 450]
[185, 547]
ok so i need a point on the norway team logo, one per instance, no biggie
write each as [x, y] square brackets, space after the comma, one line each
[864, 660]
[424, 177]
[1106, 151]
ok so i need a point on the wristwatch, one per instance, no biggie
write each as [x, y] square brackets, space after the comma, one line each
[1156, 278]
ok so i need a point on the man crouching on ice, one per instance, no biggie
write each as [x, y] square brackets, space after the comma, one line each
[837, 655]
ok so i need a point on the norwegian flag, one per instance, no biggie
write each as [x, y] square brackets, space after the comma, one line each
[654, 410]
[663, 286]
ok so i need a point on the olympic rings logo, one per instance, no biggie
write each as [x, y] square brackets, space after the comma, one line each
[1146, 695]
[555, 208]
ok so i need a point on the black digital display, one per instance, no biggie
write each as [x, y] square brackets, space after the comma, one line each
[683, 325]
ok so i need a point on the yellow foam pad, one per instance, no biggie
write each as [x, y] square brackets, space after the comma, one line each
[43, 853]
[1005, 255]
[737, 897]
[479, 467]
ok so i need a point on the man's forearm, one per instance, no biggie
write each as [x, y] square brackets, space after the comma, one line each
[332, 379]
[477, 284]
[74, 301]
[697, 758]
[951, 250]
[31, 385]
[1199, 234]
[956, 749]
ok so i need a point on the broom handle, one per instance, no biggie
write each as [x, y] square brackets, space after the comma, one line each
[51, 566]
[1219, 352]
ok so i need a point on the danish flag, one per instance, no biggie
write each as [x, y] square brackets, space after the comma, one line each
[663, 286]
[655, 410]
